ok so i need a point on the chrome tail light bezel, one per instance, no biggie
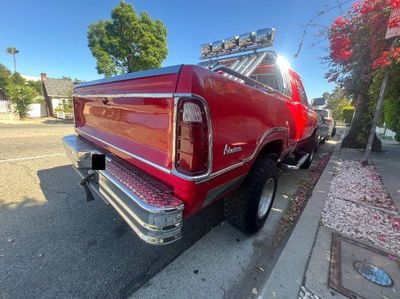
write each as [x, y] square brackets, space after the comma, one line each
[177, 98]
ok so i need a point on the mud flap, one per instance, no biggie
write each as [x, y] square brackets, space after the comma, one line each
[84, 184]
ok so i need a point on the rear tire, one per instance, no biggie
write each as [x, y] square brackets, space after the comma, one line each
[248, 208]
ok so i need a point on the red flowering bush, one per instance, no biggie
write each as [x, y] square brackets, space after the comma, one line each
[358, 51]
[362, 29]
[394, 3]
[387, 58]
[340, 42]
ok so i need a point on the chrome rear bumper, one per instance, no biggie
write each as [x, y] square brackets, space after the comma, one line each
[147, 205]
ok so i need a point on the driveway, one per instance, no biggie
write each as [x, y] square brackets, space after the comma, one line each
[54, 244]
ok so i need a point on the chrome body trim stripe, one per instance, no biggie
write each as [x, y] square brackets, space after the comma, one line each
[249, 158]
[125, 95]
[141, 74]
[261, 140]
[163, 169]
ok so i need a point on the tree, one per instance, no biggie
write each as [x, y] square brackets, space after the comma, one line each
[20, 94]
[36, 86]
[337, 101]
[4, 76]
[357, 43]
[127, 42]
[18, 90]
[13, 51]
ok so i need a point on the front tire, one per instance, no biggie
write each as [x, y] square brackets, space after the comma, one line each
[248, 208]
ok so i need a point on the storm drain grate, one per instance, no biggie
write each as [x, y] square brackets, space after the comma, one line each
[358, 270]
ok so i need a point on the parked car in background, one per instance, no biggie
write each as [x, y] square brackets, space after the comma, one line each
[322, 129]
[327, 115]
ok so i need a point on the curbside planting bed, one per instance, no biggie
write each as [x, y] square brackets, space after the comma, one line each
[359, 206]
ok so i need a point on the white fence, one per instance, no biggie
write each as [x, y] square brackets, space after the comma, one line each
[5, 106]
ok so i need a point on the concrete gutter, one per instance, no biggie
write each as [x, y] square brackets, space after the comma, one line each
[287, 274]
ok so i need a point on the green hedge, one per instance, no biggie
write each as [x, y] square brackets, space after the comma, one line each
[348, 115]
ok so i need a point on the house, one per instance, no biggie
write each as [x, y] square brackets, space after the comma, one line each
[38, 107]
[5, 104]
[56, 92]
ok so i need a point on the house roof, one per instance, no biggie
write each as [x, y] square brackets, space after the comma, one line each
[58, 87]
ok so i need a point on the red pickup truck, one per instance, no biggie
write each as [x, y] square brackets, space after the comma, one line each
[179, 138]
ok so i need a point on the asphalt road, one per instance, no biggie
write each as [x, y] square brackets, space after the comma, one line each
[54, 244]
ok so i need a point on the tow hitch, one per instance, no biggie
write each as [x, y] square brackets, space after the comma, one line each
[84, 184]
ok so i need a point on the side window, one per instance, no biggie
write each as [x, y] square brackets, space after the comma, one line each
[302, 93]
[270, 79]
[286, 87]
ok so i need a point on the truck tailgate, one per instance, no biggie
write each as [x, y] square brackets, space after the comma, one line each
[131, 113]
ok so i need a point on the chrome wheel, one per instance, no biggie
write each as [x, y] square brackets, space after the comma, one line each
[266, 198]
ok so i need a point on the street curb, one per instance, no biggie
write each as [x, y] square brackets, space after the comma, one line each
[286, 277]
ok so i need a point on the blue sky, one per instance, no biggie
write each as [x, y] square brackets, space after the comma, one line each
[51, 35]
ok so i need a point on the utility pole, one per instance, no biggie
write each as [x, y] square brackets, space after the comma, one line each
[378, 110]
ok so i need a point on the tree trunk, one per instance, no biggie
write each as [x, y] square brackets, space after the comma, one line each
[358, 136]
[15, 64]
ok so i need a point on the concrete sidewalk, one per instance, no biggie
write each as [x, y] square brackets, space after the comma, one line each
[226, 263]
[319, 257]
[388, 165]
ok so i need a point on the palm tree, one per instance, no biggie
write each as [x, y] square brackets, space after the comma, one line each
[13, 51]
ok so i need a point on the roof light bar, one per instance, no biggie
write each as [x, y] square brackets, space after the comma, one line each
[239, 43]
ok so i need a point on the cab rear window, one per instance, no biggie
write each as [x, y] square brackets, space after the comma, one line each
[268, 79]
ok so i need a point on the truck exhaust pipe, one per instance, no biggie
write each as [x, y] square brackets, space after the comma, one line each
[299, 163]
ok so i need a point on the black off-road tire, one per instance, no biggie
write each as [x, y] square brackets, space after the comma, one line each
[241, 206]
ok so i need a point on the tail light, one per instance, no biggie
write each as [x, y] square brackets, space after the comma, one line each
[192, 142]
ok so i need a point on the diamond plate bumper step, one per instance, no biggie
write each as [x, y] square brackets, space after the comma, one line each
[146, 204]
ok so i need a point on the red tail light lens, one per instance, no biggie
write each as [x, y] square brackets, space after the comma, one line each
[192, 144]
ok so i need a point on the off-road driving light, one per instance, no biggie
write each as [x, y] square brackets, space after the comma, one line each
[239, 43]
[231, 43]
[265, 36]
[247, 39]
[218, 47]
[206, 50]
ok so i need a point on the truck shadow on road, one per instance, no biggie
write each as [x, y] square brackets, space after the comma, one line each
[67, 247]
